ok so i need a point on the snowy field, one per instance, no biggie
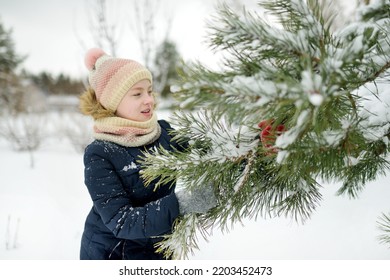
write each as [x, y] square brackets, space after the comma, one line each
[42, 212]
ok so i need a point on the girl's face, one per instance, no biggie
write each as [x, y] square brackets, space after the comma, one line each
[138, 103]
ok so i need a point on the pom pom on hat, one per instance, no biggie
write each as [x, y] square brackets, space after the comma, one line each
[111, 78]
[91, 56]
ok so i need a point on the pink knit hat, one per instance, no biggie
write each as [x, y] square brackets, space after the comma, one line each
[111, 78]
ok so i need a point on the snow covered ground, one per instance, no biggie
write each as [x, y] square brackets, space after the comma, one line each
[42, 212]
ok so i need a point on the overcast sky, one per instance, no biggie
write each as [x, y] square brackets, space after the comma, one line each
[55, 34]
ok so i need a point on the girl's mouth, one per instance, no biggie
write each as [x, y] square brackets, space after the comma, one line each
[147, 112]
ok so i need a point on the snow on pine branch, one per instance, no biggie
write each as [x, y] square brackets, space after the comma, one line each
[374, 110]
[224, 140]
[250, 32]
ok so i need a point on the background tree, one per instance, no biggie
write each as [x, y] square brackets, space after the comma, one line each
[10, 87]
[144, 25]
[104, 29]
[329, 89]
[166, 66]
[61, 84]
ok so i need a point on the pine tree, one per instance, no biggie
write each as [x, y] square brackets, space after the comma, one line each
[10, 84]
[327, 88]
[166, 61]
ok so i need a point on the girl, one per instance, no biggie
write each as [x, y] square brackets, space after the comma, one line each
[127, 218]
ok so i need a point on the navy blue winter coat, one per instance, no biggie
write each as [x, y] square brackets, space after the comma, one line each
[127, 218]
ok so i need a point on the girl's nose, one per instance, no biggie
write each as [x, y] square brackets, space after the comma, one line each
[149, 99]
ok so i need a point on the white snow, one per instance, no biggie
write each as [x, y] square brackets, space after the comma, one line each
[291, 135]
[375, 110]
[131, 166]
[333, 138]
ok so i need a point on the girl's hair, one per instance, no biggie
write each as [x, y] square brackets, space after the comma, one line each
[91, 107]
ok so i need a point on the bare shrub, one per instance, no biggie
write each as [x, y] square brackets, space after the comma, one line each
[78, 130]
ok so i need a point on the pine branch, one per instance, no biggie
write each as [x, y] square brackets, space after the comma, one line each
[384, 226]
[183, 240]
[325, 87]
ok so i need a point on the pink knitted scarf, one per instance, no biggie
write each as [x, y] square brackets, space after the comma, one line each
[127, 132]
